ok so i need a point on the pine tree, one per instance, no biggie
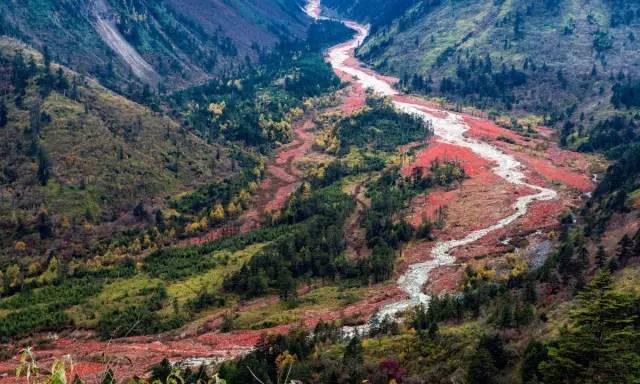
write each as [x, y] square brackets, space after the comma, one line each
[286, 284]
[46, 58]
[534, 354]
[495, 346]
[582, 260]
[613, 264]
[354, 352]
[505, 315]
[45, 225]
[601, 257]
[523, 314]
[482, 369]
[62, 84]
[433, 330]
[382, 258]
[139, 211]
[420, 321]
[624, 251]
[601, 345]
[581, 264]
[257, 284]
[161, 371]
[44, 167]
[3, 114]
[636, 246]
[160, 221]
[565, 259]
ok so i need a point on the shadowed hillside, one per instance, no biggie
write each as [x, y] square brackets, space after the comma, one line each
[183, 42]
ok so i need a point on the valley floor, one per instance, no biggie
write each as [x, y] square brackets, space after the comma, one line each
[480, 201]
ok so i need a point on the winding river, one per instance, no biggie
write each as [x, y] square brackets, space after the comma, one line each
[449, 128]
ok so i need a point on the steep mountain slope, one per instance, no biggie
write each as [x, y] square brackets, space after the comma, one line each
[557, 59]
[378, 13]
[247, 23]
[91, 182]
[77, 158]
[173, 43]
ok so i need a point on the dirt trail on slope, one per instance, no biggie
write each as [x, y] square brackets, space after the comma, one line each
[284, 175]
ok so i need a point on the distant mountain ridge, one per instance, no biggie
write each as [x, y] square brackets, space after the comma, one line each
[169, 43]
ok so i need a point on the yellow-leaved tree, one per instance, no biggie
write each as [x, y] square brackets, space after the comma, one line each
[217, 213]
[51, 274]
[216, 110]
[232, 210]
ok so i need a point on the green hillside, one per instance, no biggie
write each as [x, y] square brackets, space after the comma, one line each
[559, 60]
[77, 159]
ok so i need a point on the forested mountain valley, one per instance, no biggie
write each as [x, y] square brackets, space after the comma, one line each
[337, 191]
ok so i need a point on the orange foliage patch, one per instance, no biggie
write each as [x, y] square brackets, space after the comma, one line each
[353, 100]
[553, 173]
[424, 207]
[486, 129]
[473, 165]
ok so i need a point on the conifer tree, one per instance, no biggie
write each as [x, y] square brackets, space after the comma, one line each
[601, 257]
[3, 114]
[565, 257]
[636, 246]
[44, 167]
[623, 253]
[601, 345]
[286, 284]
[160, 220]
[582, 259]
[482, 370]
[354, 352]
[534, 354]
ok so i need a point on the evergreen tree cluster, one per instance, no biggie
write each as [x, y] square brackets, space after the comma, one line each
[476, 81]
[312, 248]
[256, 102]
[609, 134]
[602, 342]
[626, 95]
[380, 126]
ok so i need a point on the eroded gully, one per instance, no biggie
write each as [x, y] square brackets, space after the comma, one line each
[449, 128]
